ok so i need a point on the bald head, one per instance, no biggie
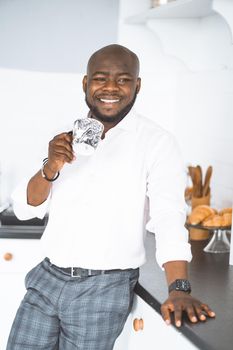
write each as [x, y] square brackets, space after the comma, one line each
[114, 53]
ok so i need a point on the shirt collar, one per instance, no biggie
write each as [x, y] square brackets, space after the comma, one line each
[128, 123]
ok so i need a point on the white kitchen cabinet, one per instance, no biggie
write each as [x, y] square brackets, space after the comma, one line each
[17, 257]
[155, 333]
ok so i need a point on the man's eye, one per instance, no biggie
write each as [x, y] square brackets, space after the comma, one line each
[99, 79]
[123, 80]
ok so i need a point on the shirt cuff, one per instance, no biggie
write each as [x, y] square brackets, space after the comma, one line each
[173, 251]
[22, 209]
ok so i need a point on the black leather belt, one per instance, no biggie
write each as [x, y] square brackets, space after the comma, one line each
[80, 272]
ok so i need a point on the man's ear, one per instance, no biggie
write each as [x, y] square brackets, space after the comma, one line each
[85, 83]
[138, 87]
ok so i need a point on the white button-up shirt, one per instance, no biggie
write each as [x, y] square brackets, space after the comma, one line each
[98, 207]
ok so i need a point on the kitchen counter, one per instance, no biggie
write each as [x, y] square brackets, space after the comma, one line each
[21, 232]
[11, 227]
[212, 282]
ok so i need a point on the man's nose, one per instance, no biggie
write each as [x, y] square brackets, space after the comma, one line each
[111, 85]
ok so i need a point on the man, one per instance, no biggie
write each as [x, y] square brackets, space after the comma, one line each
[79, 297]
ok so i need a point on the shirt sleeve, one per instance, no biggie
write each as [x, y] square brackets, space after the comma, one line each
[22, 209]
[167, 207]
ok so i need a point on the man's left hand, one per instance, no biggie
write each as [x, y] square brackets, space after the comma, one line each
[179, 302]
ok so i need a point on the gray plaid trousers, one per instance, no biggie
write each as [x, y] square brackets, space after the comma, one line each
[67, 313]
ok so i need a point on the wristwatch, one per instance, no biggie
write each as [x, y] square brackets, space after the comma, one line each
[180, 285]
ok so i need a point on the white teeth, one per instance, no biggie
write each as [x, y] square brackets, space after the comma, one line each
[108, 101]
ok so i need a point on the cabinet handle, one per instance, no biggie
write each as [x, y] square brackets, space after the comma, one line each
[8, 256]
[138, 324]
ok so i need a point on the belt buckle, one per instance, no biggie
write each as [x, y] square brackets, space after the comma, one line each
[76, 272]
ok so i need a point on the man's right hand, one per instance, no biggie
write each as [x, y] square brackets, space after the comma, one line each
[60, 152]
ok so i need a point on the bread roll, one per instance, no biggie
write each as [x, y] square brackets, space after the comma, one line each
[213, 221]
[227, 219]
[225, 210]
[208, 219]
[218, 220]
[200, 213]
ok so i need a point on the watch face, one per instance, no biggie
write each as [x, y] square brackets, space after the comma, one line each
[183, 285]
[180, 285]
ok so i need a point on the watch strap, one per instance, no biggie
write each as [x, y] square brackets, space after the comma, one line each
[182, 285]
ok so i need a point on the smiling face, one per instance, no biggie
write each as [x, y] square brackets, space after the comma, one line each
[111, 83]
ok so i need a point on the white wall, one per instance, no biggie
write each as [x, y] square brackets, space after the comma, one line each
[44, 45]
[54, 35]
[34, 107]
[187, 72]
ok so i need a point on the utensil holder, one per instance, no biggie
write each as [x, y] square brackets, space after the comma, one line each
[196, 234]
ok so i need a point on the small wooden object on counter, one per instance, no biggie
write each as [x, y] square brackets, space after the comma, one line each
[138, 324]
[8, 256]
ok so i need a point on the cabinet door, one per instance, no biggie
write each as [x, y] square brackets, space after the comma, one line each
[17, 257]
[122, 342]
[155, 333]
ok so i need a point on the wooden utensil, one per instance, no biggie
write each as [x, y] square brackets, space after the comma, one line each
[206, 186]
[193, 175]
[199, 181]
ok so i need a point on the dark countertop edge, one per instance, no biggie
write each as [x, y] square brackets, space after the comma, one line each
[147, 297]
[26, 235]
[184, 329]
[21, 232]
